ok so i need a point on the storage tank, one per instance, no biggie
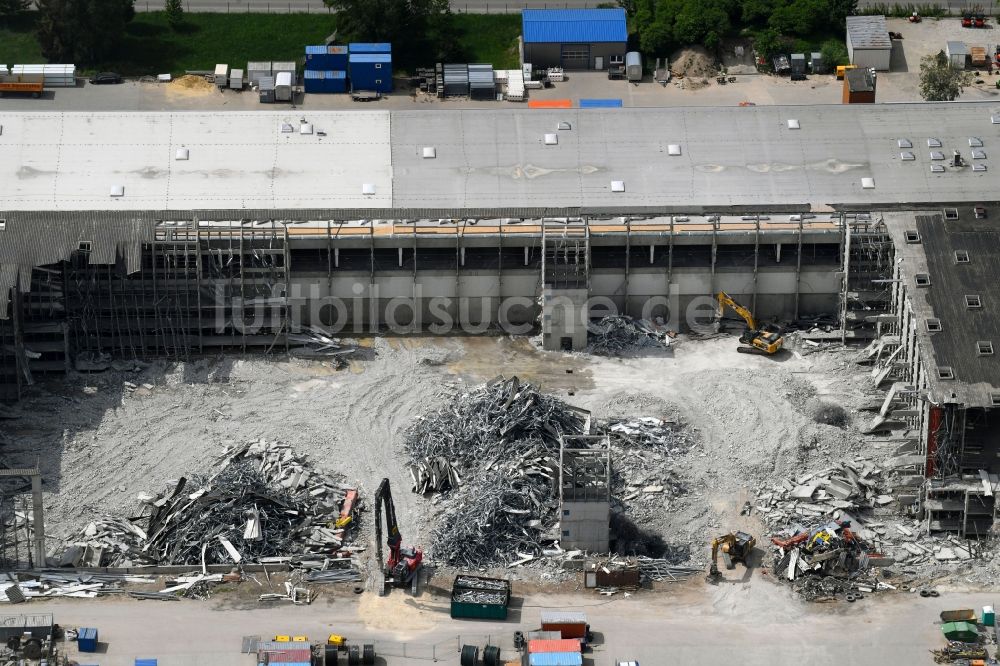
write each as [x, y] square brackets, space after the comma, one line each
[633, 66]
[283, 87]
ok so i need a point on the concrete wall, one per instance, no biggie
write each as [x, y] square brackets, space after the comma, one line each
[585, 526]
[564, 319]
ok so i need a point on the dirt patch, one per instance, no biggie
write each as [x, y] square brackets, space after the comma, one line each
[190, 85]
[693, 62]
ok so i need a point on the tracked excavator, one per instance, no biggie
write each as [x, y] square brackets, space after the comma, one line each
[735, 547]
[402, 568]
[765, 340]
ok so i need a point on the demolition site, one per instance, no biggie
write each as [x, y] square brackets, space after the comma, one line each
[540, 387]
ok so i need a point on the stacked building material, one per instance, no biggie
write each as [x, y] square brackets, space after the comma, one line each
[456, 80]
[53, 75]
[515, 86]
[481, 82]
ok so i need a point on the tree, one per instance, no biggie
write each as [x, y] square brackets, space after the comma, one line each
[11, 8]
[420, 30]
[82, 31]
[800, 17]
[175, 12]
[834, 53]
[767, 43]
[939, 82]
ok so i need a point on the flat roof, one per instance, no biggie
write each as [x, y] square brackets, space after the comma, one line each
[497, 159]
[547, 26]
[868, 32]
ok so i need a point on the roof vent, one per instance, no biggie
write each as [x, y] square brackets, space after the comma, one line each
[286, 128]
[564, 126]
[937, 168]
[907, 156]
[961, 257]
[868, 183]
[673, 149]
[551, 139]
[306, 128]
[951, 213]
[912, 236]
[937, 155]
[618, 186]
[979, 167]
[117, 190]
[922, 279]
[945, 372]
[933, 324]
[793, 123]
[933, 143]
[973, 301]
[975, 142]
[904, 143]
[182, 154]
[984, 347]
[368, 188]
[979, 154]
[430, 152]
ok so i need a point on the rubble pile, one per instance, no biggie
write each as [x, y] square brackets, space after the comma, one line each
[315, 343]
[263, 502]
[856, 485]
[495, 452]
[617, 334]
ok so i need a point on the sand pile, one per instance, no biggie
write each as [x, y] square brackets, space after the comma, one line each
[190, 85]
[693, 62]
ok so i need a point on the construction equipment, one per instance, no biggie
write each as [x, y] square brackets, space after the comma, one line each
[402, 568]
[336, 640]
[347, 509]
[765, 339]
[735, 547]
[915, 18]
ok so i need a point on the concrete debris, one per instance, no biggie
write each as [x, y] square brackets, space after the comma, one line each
[21, 586]
[617, 334]
[315, 343]
[262, 501]
[846, 486]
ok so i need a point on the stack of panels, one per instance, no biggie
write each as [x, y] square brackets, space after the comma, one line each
[515, 85]
[53, 76]
[481, 82]
[326, 58]
[317, 82]
[456, 80]
[257, 71]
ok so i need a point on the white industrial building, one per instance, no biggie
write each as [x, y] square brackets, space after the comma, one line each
[868, 43]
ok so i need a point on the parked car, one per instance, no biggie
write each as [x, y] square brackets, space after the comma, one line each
[105, 77]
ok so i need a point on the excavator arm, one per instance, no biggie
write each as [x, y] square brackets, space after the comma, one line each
[383, 500]
[725, 299]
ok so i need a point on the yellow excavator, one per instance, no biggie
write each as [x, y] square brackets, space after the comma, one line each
[765, 339]
[735, 547]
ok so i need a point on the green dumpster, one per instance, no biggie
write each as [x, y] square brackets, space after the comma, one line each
[965, 632]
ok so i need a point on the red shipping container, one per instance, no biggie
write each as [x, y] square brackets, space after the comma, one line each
[561, 645]
[288, 656]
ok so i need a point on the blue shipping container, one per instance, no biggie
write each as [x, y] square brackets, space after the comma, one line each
[326, 58]
[289, 663]
[145, 662]
[600, 104]
[371, 71]
[318, 83]
[555, 659]
[364, 47]
[86, 639]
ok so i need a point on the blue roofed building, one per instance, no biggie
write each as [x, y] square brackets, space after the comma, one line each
[573, 38]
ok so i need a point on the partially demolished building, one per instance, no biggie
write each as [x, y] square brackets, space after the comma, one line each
[174, 234]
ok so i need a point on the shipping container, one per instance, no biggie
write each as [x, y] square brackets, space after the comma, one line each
[236, 79]
[326, 58]
[569, 624]
[368, 47]
[145, 662]
[316, 82]
[273, 646]
[256, 71]
[285, 656]
[479, 611]
[559, 645]
[543, 636]
[371, 71]
[86, 639]
[555, 659]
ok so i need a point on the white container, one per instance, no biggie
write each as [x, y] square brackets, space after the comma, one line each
[257, 71]
[222, 75]
[633, 66]
[278, 67]
[283, 87]
[236, 79]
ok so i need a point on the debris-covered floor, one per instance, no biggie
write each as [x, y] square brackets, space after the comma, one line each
[746, 429]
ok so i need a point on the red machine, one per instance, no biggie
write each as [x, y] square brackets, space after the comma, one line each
[403, 566]
[967, 20]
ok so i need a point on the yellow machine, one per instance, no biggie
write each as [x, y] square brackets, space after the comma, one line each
[336, 640]
[765, 339]
[735, 547]
[281, 638]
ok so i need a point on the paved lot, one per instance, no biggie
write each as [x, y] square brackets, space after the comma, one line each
[735, 622]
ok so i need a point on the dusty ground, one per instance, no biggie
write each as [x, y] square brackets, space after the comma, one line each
[100, 445]
[899, 85]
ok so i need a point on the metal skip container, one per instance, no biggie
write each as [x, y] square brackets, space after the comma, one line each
[266, 89]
